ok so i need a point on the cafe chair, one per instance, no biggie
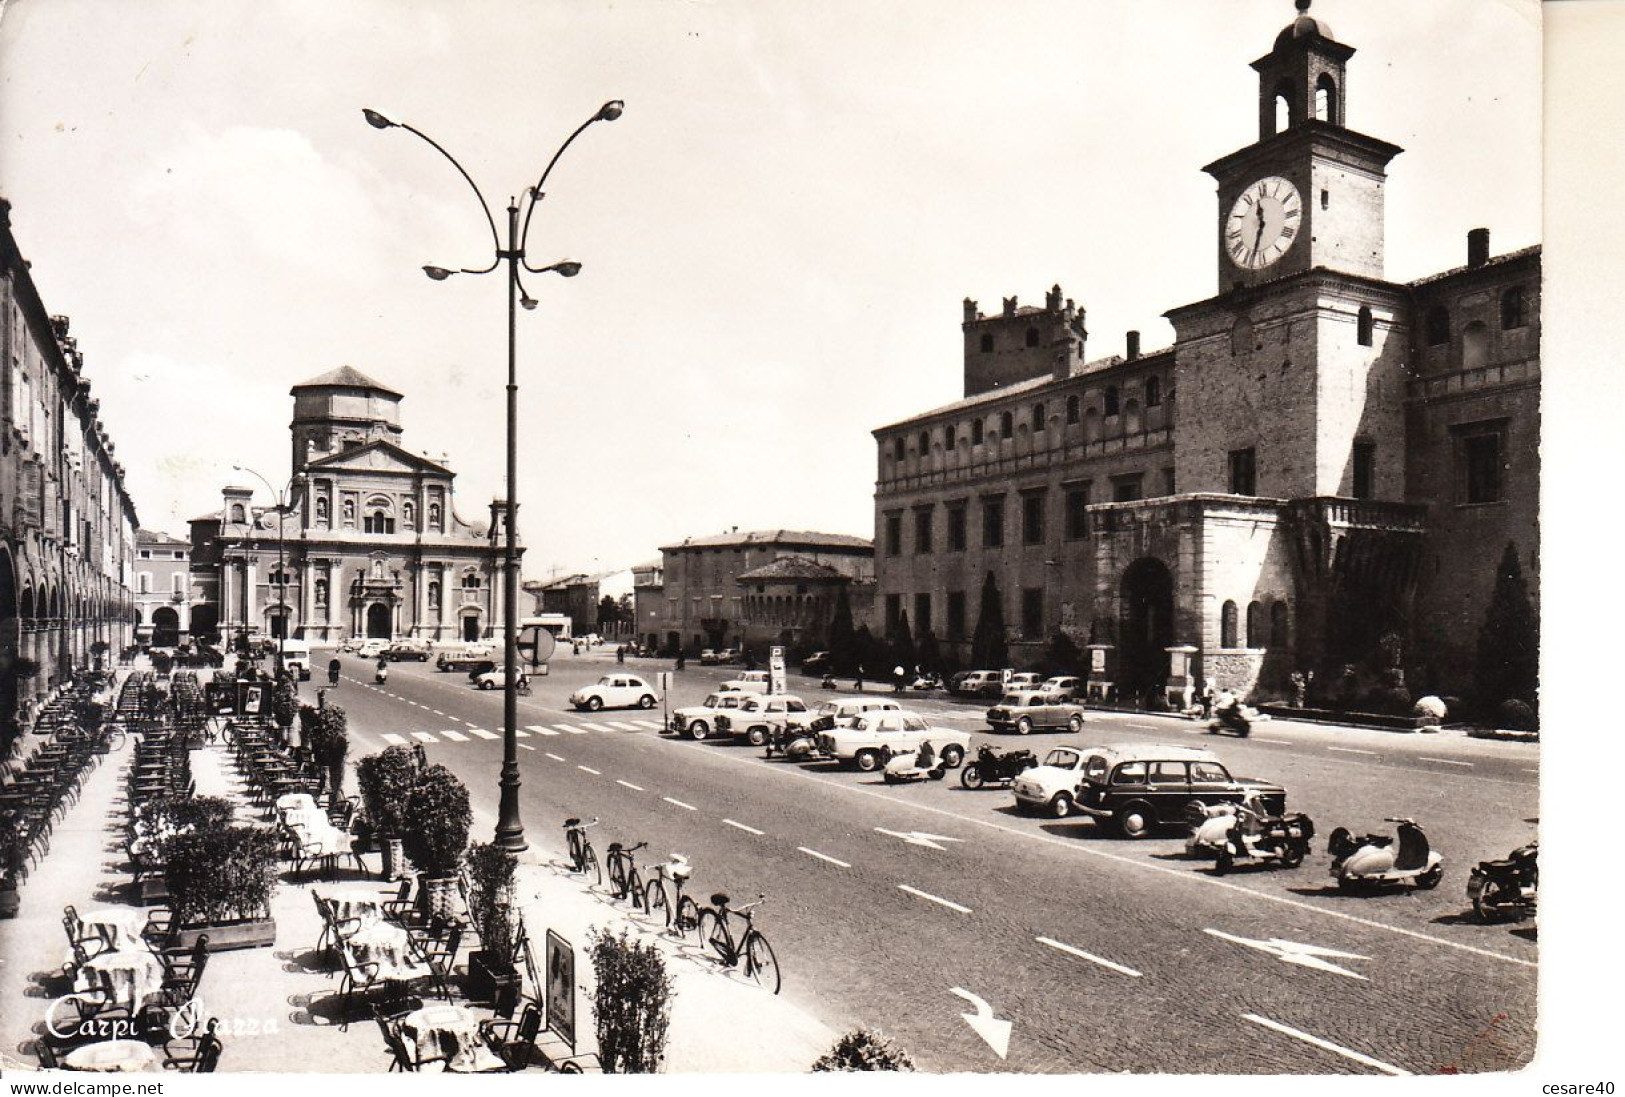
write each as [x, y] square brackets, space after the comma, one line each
[514, 1042]
[196, 1054]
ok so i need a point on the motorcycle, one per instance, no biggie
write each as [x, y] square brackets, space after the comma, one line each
[919, 765]
[828, 682]
[1378, 860]
[1221, 830]
[1505, 890]
[381, 674]
[1236, 719]
[795, 743]
[925, 683]
[993, 766]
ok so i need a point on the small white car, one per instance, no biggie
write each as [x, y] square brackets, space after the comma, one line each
[758, 717]
[1025, 680]
[698, 721]
[863, 742]
[372, 649]
[843, 710]
[497, 678]
[751, 681]
[1067, 687]
[614, 691]
[1051, 786]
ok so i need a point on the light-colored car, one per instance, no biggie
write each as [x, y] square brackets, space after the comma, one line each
[708, 658]
[751, 681]
[296, 658]
[1029, 710]
[764, 713]
[1051, 787]
[843, 710]
[866, 739]
[699, 721]
[1025, 680]
[466, 657]
[372, 649]
[497, 678]
[1067, 687]
[614, 691]
[980, 683]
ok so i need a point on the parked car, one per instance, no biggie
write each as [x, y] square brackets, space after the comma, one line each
[349, 644]
[296, 658]
[1067, 687]
[1051, 786]
[1137, 787]
[466, 657]
[372, 649]
[863, 741]
[981, 683]
[1025, 680]
[614, 691]
[816, 663]
[845, 709]
[750, 681]
[763, 714]
[1028, 710]
[489, 675]
[699, 721]
[708, 658]
[408, 648]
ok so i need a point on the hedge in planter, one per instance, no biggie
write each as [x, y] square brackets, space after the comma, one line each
[385, 780]
[220, 882]
[493, 905]
[329, 741]
[632, 1005]
[438, 809]
[864, 1049]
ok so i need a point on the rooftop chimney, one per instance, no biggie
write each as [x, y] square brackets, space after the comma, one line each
[1133, 346]
[1478, 247]
[970, 310]
[1009, 306]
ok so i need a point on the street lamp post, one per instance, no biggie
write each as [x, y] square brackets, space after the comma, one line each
[282, 499]
[510, 832]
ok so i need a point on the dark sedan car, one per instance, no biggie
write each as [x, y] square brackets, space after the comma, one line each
[1138, 787]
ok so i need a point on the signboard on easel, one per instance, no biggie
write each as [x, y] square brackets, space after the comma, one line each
[561, 989]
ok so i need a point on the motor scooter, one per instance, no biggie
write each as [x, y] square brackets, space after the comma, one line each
[1378, 860]
[918, 765]
[1276, 841]
[996, 767]
[1236, 719]
[828, 682]
[1505, 890]
[381, 674]
[791, 741]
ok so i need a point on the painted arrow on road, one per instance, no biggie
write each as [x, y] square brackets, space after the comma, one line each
[994, 1030]
[1293, 952]
[919, 838]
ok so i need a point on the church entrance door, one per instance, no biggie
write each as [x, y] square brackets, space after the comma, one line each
[471, 629]
[1147, 627]
[378, 625]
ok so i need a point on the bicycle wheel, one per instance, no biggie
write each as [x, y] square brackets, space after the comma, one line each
[617, 875]
[688, 916]
[655, 901]
[590, 865]
[714, 935]
[634, 888]
[760, 963]
[572, 843]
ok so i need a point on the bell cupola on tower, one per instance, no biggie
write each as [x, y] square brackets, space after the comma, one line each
[1302, 77]
[342, 409]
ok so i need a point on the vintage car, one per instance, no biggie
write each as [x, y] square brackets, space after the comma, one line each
[1137, 787]
[614, 691]
[816, 663]
[708, 658]
[845, 709]
[373, 648]
[1029, 710]
[1027, 679]
[466, 657]
[868, 738]
[758, 718]
[750, 681]
[1067, 687]
[491, 675]
[979, 683]
[698, 721]
[1051, 785]
[408, 648]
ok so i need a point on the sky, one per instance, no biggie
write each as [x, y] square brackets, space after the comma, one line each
[775, 237]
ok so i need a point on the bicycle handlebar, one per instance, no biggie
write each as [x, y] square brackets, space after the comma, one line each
[577, 824]
[634, 849]
[760, 899]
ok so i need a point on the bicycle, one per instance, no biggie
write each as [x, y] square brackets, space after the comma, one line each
[760, 965]
[658, 899]
[582, 856]
[624, 879]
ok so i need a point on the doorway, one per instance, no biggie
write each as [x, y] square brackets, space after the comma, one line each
[1147, 628]
[166, 628]
[471, 629]
[378, 623]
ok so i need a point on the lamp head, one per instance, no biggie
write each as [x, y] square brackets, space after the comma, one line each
[528, 302]
[376, 120]
[610, 111]
[439, 274]
[567, 269]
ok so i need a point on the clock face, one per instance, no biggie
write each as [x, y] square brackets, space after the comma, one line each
[1264, 221]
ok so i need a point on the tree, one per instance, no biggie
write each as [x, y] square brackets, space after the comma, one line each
[1061, 656]
[843, 638]
[902, 644]
[1509, 641]
[864, 1049]
[632, 1003]
[871, 653]
[609, 613]
[987, 645]
[929, 654]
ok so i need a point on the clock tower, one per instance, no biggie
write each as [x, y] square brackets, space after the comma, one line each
[1309, 192]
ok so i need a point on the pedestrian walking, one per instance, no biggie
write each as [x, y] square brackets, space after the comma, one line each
[1208, 694]
[333, 668]
[858, 685]
[899, 678]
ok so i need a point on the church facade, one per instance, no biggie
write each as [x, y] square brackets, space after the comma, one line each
[368, 542]
[1324, 465]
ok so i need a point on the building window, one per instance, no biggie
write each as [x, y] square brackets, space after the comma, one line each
[1153, 392]
[1482, 463]
[1255, 625]
[899, 449]
[976, 432]
[993, 522]
[1475, 345]
[1071, 409]
[925, 442]
[237, 513]
[1038, 418]
[1032, 518]
[177, 583]
[144, 583]
[471, 581]
[1168, 481]
[1363, 326]
[922, 530]
[1244, 471]
[1127, 489]
[1227, 625]
[378, 522]
[956, 528]
[1438, 326]
[320, 592]
[894, 534]
[949, 437]
[987, 343]
[1077, 511]
[1032, 612]
[955, 623]
[1111, 400]
[894, 612]
[1326, 99]
[922, 614]
[1032, 337]
[1514, 308]
[1278, 626]
[1007, 425]
[1365, 469]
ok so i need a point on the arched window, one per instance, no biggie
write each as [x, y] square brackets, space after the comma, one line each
[976, 432]
[1032, 337]
[409, 514]
[949, 437]
[1279, 637]
[1131, 417]
[1007, 425]
[321, 508]
[899, 449]
[434, 515]
[1071, 409]
[1438, 326]
[1038, 417]
[1363, 327]
[1091, 425]
[925, 442]
[1153, 392]
[1283, 107]
[471, 581]
[1326, 98]
[1514, 308]
[378, 521]
[1475, 345]
[434, 594]
[237, 513]
[1111, 400]
[1255, 626]
[321, 592]
[1227, 625]
[987, 343]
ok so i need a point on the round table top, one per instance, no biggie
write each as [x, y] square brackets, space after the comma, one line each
[111, 1055]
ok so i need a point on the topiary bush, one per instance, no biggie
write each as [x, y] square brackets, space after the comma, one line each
[438, 810]
[632, 1006]
[492, 902]
[1431, 709]
[1517, 715]
[864, 1049]
[385, 780]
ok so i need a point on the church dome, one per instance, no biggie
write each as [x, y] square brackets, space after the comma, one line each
[1304, 26]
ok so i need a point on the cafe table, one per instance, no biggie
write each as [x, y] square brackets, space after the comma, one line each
[128, 975]
[108, 1056]
[454, 1033]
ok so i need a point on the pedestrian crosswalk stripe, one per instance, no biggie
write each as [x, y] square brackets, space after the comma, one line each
[483, 734]
[424, 737]
[573, 730]
[527, 746]
[392, 738]
[623, 727]
[540, 730]
[652, 725]
[521, 733]
[455, 736]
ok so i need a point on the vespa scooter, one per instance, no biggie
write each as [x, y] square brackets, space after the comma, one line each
[1376, 860]
[1274, 841]
[919, 765]
[1505, 890]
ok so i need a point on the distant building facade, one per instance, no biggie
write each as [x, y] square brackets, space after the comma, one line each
[163, 588]
[67, 524]
[1321, 460]
[370, 544]
[648, 602]
[575, 596]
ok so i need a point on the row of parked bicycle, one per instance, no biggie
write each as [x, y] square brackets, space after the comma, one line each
[661, 895]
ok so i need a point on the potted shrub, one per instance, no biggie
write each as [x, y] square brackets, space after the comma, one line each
[159, 822]
[98, 652]
[385, 780]
[220, 883]
[864, 1049]
[632, 1005]
[438, 836]
[285, 706]
[493, 905]
[162, 663]
[11, 864]
[329, 742]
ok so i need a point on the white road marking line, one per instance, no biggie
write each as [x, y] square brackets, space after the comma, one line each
[521, 733]
[1336, 1049]
[1277, 742]
[555, 757]
[424, 737]
[455, 736]
[630, 785]
[623, 726]
[1351, 750]
[1531, 771]
[935, 899]
[1091, 957]
[527, 746]
[1446, 761]
[573, 730]
[652, 725]
[482, 733]
[742, 826]
[589, 769]
[679, 803]
[392, 738]
[437, 712]
[822, 856]
[540, 730]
